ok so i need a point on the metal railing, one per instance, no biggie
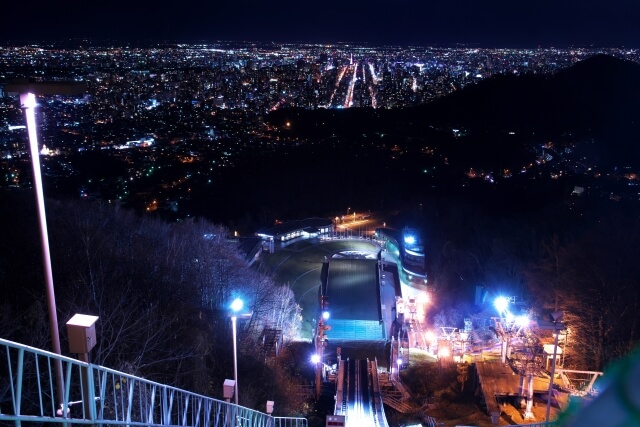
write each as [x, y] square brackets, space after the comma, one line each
[541, 424]
[101, 396]
[378, 404]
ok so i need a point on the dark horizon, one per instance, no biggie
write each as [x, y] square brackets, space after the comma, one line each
[501, 24]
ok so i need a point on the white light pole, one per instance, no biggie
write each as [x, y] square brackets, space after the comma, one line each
[558, 326]
[28, 101]
[566, 344]
[316, 359]
[28, 92]
[553, 373]
[236, 306]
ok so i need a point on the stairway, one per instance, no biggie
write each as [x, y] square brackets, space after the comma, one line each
[394, 395]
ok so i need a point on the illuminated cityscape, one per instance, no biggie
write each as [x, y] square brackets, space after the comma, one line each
[174, 117]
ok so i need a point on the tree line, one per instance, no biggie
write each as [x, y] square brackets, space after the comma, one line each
[577, 255]
[161, 291]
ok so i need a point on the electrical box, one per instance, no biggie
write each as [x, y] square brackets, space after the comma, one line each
[228, 387]
[81, 329]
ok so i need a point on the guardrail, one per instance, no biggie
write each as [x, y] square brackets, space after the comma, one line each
[541, 424]
[101, 396]
[377, 395]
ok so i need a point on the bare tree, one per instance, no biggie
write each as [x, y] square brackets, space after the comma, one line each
[594, 280]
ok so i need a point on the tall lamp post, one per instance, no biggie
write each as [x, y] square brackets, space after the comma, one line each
[316, 360]
[28, 101]
[236, 306]
[320, 343]
[28, 92]
[558, 326]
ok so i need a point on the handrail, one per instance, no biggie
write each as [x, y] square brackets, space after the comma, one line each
[377, 394]
[340, 390]
[98, 395]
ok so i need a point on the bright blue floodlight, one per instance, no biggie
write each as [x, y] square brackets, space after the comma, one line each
[315, 359]
[325, 315]
[409, 240]
[501, 304]
[237, 305]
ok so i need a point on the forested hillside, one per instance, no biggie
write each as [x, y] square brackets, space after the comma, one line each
[161, 292]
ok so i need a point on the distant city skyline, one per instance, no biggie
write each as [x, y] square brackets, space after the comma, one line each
[496, 23]
[166, 128]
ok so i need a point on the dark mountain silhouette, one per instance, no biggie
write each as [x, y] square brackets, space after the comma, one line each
[598, 94]
[331, 158]
[595, 100]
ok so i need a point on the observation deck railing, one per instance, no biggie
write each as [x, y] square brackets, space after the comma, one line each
[97, 395]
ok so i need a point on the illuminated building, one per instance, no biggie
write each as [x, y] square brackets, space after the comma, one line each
[412, 253]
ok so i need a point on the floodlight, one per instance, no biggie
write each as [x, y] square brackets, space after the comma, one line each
[522, 320]
[501, 304]
[237, 304]
[315, 358]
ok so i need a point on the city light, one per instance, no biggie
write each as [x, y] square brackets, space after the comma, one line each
[315, 359]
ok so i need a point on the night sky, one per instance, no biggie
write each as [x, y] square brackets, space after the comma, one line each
[489, 23]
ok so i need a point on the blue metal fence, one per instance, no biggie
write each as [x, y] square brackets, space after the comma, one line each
[101, 396]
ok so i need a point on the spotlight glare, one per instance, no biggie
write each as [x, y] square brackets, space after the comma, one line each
[501, 304]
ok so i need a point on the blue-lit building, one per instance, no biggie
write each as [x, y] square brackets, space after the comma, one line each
[410, 249]
[412, 253]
